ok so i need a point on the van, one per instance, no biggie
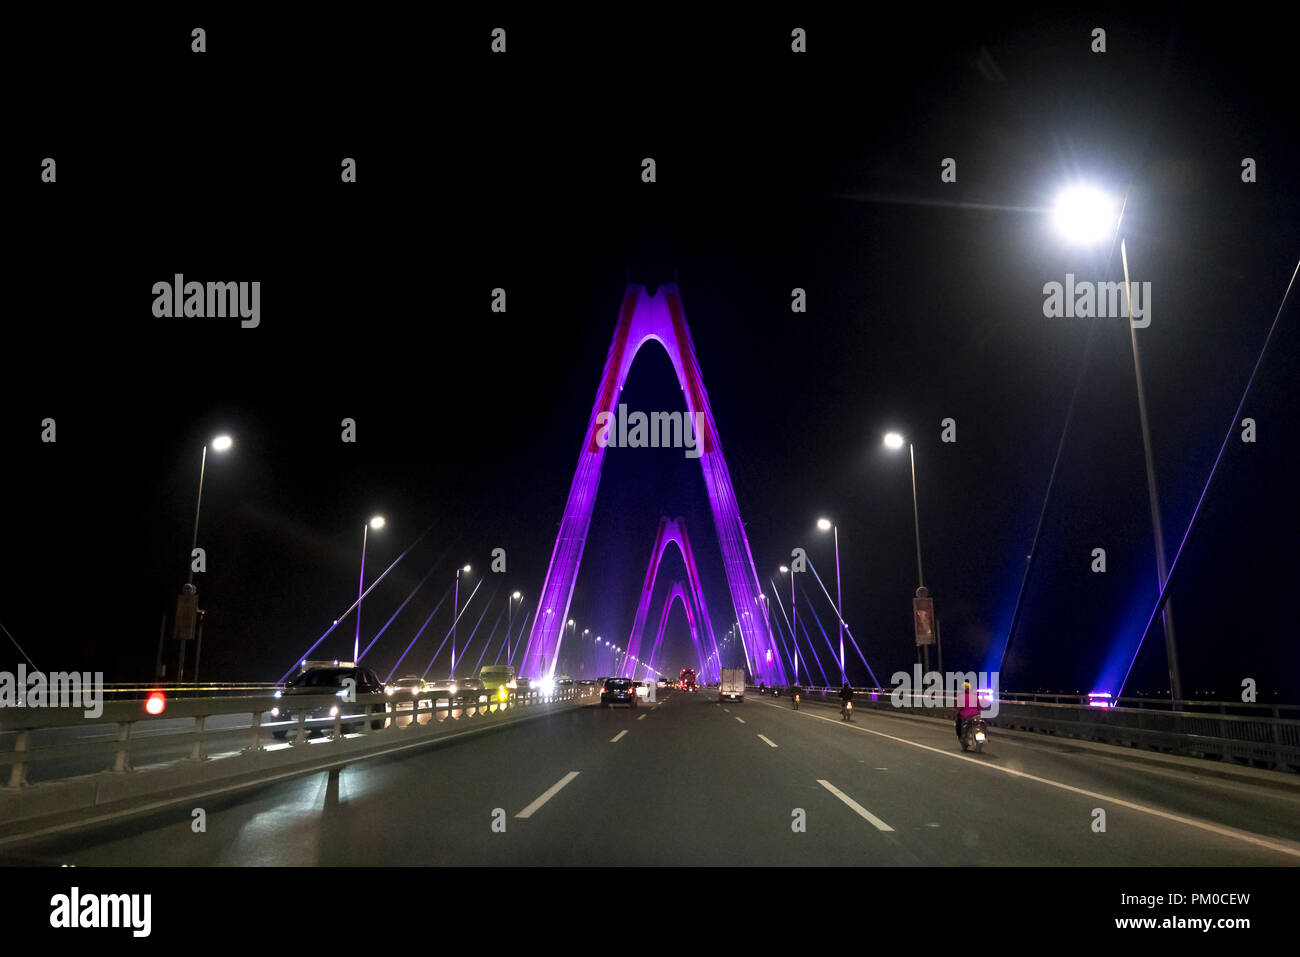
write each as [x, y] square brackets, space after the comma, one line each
[732, 685]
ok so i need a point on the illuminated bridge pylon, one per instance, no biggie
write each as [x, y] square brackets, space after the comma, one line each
[707, 665]
[672, 531]
[644, 317]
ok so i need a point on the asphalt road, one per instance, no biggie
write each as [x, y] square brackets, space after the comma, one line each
[692, 781]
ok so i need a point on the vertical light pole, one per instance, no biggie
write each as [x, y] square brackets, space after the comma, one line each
[455, 616]
[563, 662]
[510, 621]
[1085, 215]
[187, 603]
[825, 524]
[895, 441]
[376, 523]
[794, 621]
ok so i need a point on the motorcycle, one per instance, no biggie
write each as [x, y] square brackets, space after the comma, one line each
[973, 735]
[846, 711]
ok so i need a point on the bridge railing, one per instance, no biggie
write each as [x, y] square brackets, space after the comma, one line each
[126, 752]
[1261, 735]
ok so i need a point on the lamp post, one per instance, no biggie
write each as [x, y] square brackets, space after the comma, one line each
[895, 441]
[1084, 215]
[376, 523]
[187, 603]
[794, 621]
[455, 616]
[825, 524]
[510, 622]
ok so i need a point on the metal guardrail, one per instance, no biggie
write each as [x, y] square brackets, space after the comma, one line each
[201, 743]
[1219, 730]
[188, 689]
[203, 754]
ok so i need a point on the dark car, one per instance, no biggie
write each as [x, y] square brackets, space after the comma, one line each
[343, 682]
[618, 691]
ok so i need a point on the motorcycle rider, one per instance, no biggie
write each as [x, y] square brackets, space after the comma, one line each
[846, 696]
[968, 706]
[794, 696]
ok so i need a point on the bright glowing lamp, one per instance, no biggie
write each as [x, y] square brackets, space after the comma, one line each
[1084, 215]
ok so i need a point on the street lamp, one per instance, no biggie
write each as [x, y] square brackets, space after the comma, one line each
[826, 525]
[187, 603]
[895, 441]
[220, 444]
[1086, 215]
[455, 615]
[510, 622]
[376, 523]
[794, 621]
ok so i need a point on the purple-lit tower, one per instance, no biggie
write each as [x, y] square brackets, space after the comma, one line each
[672, 532]
[644, 317]
[678, 593]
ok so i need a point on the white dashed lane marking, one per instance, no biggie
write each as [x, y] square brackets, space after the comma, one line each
[856, 807]
[549, 793]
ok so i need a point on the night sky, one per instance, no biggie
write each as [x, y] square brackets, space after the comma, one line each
[775, 171]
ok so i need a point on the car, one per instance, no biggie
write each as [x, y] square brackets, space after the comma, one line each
[471, 690]
[407, 684]
[618, 691]
[643, 689]
[344, 680]
[661, 683]
[405, 692]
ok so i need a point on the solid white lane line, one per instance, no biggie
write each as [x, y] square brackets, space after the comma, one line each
[1281, 846]
[857, 808]
[740, 719]
[617, 736]
[642, 717]
[549, 793]
[769, 741]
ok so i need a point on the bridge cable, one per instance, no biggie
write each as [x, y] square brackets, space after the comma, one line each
[1232, 426]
